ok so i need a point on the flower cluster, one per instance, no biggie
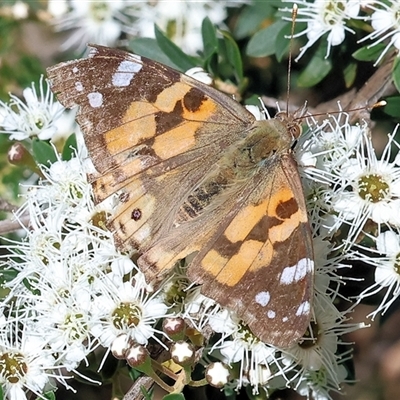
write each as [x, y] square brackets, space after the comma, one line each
[70, 299]
[103, 22]
[333, 19]
[71, 291]
[35, 117]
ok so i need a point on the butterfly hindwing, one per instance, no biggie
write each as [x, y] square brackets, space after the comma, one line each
[255, 255]
[266, 268]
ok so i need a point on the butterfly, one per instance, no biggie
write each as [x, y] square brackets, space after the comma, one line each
[196, 174]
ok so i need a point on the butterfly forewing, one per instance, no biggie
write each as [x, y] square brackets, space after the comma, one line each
[142, 136]
[194, 172]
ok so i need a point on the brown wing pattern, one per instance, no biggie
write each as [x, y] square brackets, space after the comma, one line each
[268, 269]
[255, 255]
[166, 146]
[142, 137]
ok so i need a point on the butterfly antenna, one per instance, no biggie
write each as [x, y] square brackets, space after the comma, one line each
[289, 74]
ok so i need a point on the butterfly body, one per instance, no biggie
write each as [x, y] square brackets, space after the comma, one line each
[195, 173]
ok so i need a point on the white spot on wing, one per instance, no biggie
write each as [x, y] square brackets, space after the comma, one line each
[297, 272]
[304, 308]
[75, 70]
[78, 86]
[271, 314]
[285, 319]
[126, 71]
[95, 99]
[143, 233]
[263, 298]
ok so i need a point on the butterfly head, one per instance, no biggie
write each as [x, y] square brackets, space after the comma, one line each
[292, 121]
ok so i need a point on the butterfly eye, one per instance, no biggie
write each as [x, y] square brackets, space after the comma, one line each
[294, 129]
[288, 120]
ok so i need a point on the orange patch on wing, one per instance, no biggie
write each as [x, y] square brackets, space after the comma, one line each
[213, 263]
[176, 141]
[109, 183]
[162, 260]
[207, 109]
[282, 232]
[279, 196]
[264, 257]
[138, 124]
[238, 265]
[167, 99]
[245, 221]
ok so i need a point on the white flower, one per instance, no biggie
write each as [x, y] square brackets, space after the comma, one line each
[20, 10]
[253, 356]
[199, 308]
[320, 152]
[181, 20]
[57, 8]
[35, 117]
[317, 352]
[100, 22]
[356, 185]
[370, 187]
[317, 384]
[331, 142]
[325, 16]
[25, 362]
[66, 125]
[200, 75]
[386, 25]
[327, 264]
[387, 278]
[64, 262]
[126, 309]
[64, 321]
[256, 111]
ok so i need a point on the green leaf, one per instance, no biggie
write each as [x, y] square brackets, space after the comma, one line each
[369, 53]
[11, 177]
[43, 152]
[149, 48]
[230, 393]
[233, 55]
[7, 275]
[134, 373]
[350, 73]
[210, 41]
[70, 147]
[252, 18]
[177, 56]
[282, 42]
[392, 107]
[50, 395]
[174, 396]
[263, 43]
[253, 100]
[396, 73]
[317, 69]
[147, 394]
